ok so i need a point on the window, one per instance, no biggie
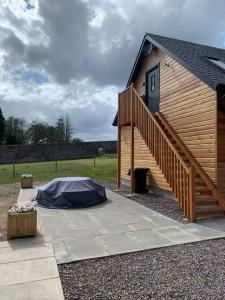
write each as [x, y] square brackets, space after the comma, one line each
[152, 83]
[217, 62]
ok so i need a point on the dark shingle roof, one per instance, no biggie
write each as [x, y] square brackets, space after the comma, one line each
[193, 57]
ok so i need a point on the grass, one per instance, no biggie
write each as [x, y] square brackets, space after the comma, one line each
[8, 195]
[105, 168]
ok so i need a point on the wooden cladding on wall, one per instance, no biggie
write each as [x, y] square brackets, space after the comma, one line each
[189, 105]
[142, 158]
[150, 61]
[221, 152]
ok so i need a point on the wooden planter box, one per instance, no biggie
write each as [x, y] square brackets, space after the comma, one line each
[26, 181]
[21, 225]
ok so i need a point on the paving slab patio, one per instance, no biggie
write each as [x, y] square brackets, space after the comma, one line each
[49, 289]
[117, 226]
[28, 270]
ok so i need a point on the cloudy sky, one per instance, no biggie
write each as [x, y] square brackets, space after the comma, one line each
[74, 56]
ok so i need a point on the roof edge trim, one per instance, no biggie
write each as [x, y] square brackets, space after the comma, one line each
[147, 37]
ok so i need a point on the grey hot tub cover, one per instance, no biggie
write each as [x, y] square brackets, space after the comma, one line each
[70, 192]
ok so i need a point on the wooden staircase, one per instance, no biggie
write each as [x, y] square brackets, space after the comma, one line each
[206, 200]
[194, 190]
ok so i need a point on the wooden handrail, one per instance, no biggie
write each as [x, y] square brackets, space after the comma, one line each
[162, 132]
[177, 173]
[194, 162]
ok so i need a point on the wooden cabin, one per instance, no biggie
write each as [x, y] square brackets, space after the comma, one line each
[171, 119]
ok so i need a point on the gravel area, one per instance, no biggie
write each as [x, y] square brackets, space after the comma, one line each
[161, 203]
[190, 271]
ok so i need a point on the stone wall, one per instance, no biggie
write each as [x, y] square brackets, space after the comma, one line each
[48, 152]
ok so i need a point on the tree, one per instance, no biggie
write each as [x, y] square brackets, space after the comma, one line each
[15, 130]
[38, 132]
[77, 141]
[60, 129]
[2, 125]
[51, 135]
[68, 130]
[18, 132]
[63, 129]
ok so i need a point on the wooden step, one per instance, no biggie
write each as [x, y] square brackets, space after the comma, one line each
[181, 154]
[187, 161]
[202, 190]
[205, 200]
[199, 182]
[209, 210]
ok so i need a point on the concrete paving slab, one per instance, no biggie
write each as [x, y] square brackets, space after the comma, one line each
[84, 220]
[25, 252]
[49, 212]
[89, 232]
[115, 227]
[149, 239]
[202, 232]
[27, 194]
[61, 253]
[129, 216]
[142, 226]
[28, 241]
[118, 243]
[176, 234]
[217, 223]
[49, 289]
[161, 221]
[62, 257]
[29, 270]
[83, 248]
[52, 220]
[56, 230]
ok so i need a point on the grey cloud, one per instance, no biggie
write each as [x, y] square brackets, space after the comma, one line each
[200, 21]
[13, 47]
[10, 42]
[36, 56]
[74, 50]
[66, 25]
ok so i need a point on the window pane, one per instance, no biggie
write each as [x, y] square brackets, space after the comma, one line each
[152, 83]
[218, 62]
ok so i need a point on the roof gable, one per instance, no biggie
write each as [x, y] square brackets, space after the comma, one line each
[194, 57]
[191, 55]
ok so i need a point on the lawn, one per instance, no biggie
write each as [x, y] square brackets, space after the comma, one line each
[8, 196]
[104, 168]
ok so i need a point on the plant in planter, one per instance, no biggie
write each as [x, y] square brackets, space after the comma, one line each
[26, 181]
[22, 220]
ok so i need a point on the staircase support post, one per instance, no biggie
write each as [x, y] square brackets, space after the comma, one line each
[132, 139]
[192, 215]
[119, 157]
[118, 146]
